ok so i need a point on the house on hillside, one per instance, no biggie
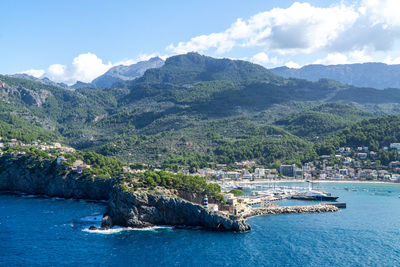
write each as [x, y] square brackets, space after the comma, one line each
[362, 156]
[395, 146]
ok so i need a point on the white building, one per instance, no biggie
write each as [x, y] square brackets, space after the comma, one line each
[395, 177]
[213, 207]
[259, 173]
[395, 146]
[347, 160]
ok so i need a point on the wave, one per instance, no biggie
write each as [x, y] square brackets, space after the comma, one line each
[118, 229]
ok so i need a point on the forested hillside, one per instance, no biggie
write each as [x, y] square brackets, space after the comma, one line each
[192, 111]
[374, 133]
[321, 120]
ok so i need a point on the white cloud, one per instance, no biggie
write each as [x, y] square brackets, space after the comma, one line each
[34, 73]
[301, 27]
[392, 61]
[384, 12]
[292, 65]
[263, 59]
[201, 43]
[56, 70]
[336, 31]
[260, 58]
[84, 67]
[333, 59]
[356, 56]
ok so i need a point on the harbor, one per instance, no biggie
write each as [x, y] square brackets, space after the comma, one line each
[264, 198]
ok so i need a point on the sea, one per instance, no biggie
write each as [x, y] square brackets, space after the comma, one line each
[54, 232]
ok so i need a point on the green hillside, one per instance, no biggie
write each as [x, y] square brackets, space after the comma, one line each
[12, 126]
[195, 110]
[321, 120]
[374, 133]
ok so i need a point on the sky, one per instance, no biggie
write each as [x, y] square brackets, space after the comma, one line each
[69, 40]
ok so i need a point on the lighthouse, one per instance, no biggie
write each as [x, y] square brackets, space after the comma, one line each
[205, 202]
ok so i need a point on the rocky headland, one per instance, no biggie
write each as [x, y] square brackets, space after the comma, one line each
[142, 210]
[125, 208]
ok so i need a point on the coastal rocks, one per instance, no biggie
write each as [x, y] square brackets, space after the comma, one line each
[106, 222]
[276, 209]
[142, 210]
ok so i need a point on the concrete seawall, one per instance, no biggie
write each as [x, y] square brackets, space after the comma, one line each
[276, 209]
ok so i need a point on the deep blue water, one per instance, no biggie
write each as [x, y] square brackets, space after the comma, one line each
[48, 232]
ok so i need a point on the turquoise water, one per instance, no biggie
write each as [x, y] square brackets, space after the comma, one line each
[48, 232]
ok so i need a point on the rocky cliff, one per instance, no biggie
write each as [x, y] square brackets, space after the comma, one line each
[48, 178]
[140, 210]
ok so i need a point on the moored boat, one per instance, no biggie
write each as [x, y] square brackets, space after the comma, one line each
[312, 194]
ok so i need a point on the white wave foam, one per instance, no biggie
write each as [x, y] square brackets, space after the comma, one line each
[118, 229]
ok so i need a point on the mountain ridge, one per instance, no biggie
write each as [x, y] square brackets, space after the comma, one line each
[373, 74]
[43, 80]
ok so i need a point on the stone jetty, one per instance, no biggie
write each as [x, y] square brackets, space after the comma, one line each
[273, 208]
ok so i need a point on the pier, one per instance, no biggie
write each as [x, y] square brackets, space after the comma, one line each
[276, 209]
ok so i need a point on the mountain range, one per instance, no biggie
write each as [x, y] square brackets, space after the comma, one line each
[373, 75]
[193, 110]
[370, 75]
[44, 80]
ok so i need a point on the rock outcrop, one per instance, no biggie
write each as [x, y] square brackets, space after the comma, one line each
[141, 210]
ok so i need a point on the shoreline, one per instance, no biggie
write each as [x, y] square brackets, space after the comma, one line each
[314, 181]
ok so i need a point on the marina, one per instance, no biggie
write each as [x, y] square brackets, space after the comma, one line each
[262, 193]
[263, 197]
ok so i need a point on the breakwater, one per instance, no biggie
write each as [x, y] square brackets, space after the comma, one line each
[276, 209]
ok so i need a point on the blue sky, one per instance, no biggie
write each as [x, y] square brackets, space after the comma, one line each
[79, 40]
